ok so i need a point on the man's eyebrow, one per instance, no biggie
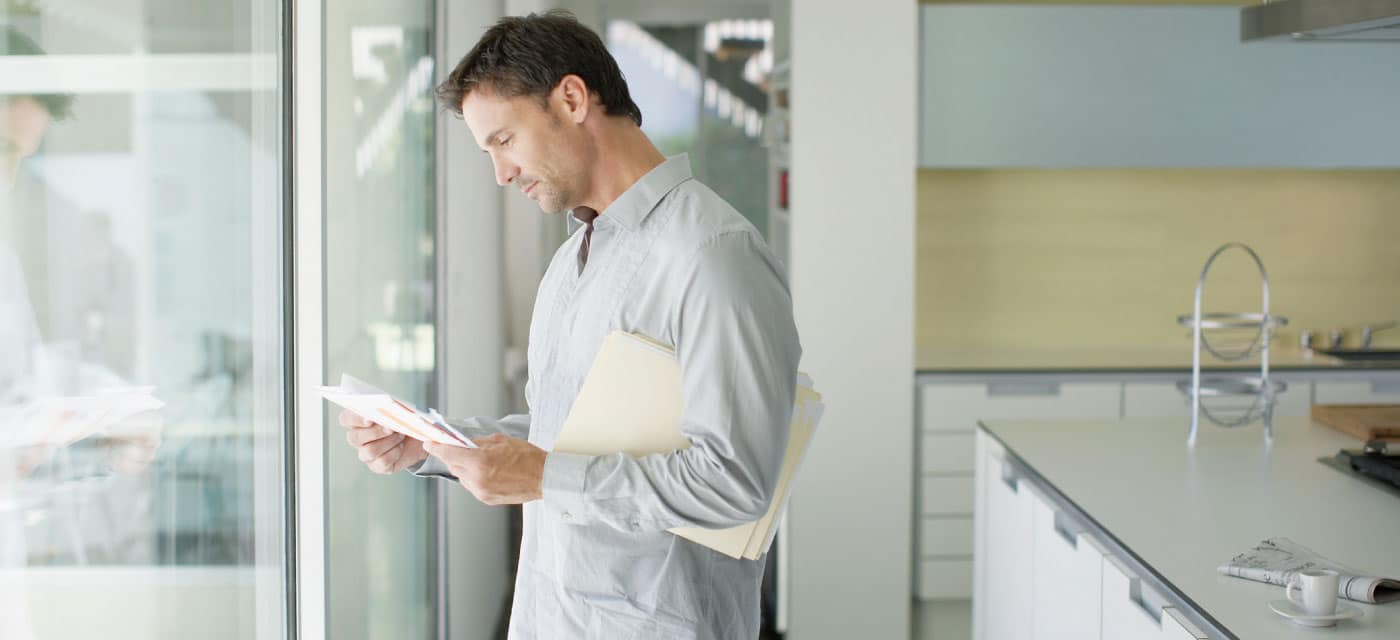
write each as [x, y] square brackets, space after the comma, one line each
[491, 138]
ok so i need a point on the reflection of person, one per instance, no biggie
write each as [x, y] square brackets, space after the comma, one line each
[128, 447]
[658, 254]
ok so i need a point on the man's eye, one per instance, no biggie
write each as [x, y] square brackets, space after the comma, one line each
[506, 142]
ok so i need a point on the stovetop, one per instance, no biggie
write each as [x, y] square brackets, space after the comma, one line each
[1373, 464]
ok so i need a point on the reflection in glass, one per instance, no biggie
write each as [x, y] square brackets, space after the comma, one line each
[380, 278]
[140, 345]
[702, 89]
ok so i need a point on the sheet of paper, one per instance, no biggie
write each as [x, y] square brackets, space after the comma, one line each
[58, 421]
[379, 407]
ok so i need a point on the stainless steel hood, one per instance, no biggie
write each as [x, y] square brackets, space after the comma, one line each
[1365, 20]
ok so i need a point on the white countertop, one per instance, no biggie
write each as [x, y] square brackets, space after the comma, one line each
[1008, 359]
[1185, 511]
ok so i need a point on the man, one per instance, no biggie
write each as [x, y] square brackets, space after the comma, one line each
[658, 254]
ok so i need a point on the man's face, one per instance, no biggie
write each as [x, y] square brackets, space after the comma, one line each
[23, 122]
[531, 146]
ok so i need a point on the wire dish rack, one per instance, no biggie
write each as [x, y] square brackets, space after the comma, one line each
[1232, 400]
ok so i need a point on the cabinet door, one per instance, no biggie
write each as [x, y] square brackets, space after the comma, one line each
[1182, 92]
[1003, 552]
[1357, 392]
[958, 407]
[946, 452]
[1067, 573]
[1175, 626]
[1126, 614]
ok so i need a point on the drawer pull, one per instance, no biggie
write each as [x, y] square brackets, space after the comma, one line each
[1004, 389]
[1385, 386]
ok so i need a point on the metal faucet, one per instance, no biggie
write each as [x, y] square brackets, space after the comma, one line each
[1370, 330]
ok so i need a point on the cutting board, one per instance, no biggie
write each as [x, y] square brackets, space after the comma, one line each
[1364, 421]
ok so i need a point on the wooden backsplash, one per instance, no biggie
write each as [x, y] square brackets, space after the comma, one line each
[1068, 258]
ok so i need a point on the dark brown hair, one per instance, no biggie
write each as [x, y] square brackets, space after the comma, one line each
[14, 43]
[528, 56]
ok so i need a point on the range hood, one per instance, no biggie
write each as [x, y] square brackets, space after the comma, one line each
[1364, 20]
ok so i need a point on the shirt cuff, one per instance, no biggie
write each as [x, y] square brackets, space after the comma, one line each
[562, 485]
[431, 467]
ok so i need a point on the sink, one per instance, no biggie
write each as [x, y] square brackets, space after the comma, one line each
[1362, 354]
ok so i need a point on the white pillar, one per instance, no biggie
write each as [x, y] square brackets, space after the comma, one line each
[852, 269]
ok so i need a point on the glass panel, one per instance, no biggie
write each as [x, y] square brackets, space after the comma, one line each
[702, 89]
[380, 279]
[141, 352]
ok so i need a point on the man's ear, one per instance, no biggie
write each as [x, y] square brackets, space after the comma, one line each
[574, 97]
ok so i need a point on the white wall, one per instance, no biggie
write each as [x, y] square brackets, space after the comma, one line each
[852, 182]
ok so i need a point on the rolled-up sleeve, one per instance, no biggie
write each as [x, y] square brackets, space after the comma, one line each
[738, 351]
[514, 425]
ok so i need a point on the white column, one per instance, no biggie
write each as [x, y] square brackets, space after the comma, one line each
[853, 168]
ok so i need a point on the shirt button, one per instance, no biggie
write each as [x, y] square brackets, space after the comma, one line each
[568, 516]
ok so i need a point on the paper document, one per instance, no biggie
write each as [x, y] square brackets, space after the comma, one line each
[631, 402]
[396, 415]
[1277, 560]
[58, 421]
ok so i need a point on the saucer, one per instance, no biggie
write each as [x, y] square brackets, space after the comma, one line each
[1295, 613]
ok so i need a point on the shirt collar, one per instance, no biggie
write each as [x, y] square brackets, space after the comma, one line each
[637, 202]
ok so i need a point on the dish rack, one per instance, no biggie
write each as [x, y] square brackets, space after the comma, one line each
[1232, 400]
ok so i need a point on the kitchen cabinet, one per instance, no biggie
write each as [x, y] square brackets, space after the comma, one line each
[949, 408]
[1066, 573]
[1162, 399]
[948, 417]
[1144, 86]
[1357, 392]
[1003, 551]
[1040, 575]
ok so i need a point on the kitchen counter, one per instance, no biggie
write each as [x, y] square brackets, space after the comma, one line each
[1182, 511]
[1009, 360]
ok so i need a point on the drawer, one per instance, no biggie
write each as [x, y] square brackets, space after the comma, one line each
[1067, 574]
[958, 407]
[948, 495]
[1359, 392]
[945, 536]
[1164, 400]
[945, 452]
[945, 579]
[1175, 626]
[1130, 609]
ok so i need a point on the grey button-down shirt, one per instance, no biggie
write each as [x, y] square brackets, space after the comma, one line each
[671, 260]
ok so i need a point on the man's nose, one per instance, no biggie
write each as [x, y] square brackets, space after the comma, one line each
[506, 172]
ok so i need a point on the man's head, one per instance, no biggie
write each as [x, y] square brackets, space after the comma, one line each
[24, 118]
[537, 92]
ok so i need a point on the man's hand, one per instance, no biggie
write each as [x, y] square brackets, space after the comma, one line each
[382, 450]
[501, 470]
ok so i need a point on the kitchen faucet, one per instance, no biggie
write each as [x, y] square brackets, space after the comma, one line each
[1368, 331]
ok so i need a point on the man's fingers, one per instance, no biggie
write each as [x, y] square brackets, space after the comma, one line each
[386, 462]
[361, 436]
[349, 418]
[377, 448]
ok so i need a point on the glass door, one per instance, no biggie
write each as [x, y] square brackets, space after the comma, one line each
[143, 360]
[380, 304]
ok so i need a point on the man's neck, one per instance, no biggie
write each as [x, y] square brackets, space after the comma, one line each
[620, 165]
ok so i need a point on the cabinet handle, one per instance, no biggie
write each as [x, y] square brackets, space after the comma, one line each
[1023, 389]
[1146, 601]
[1068, 529]
[1385, 386]
[1007, 472]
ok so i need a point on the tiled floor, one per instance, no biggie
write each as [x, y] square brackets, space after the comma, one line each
[942, 620]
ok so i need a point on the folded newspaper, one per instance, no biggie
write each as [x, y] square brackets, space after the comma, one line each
[1276, 560]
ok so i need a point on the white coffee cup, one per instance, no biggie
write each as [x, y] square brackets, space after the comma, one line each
[1315, 591]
